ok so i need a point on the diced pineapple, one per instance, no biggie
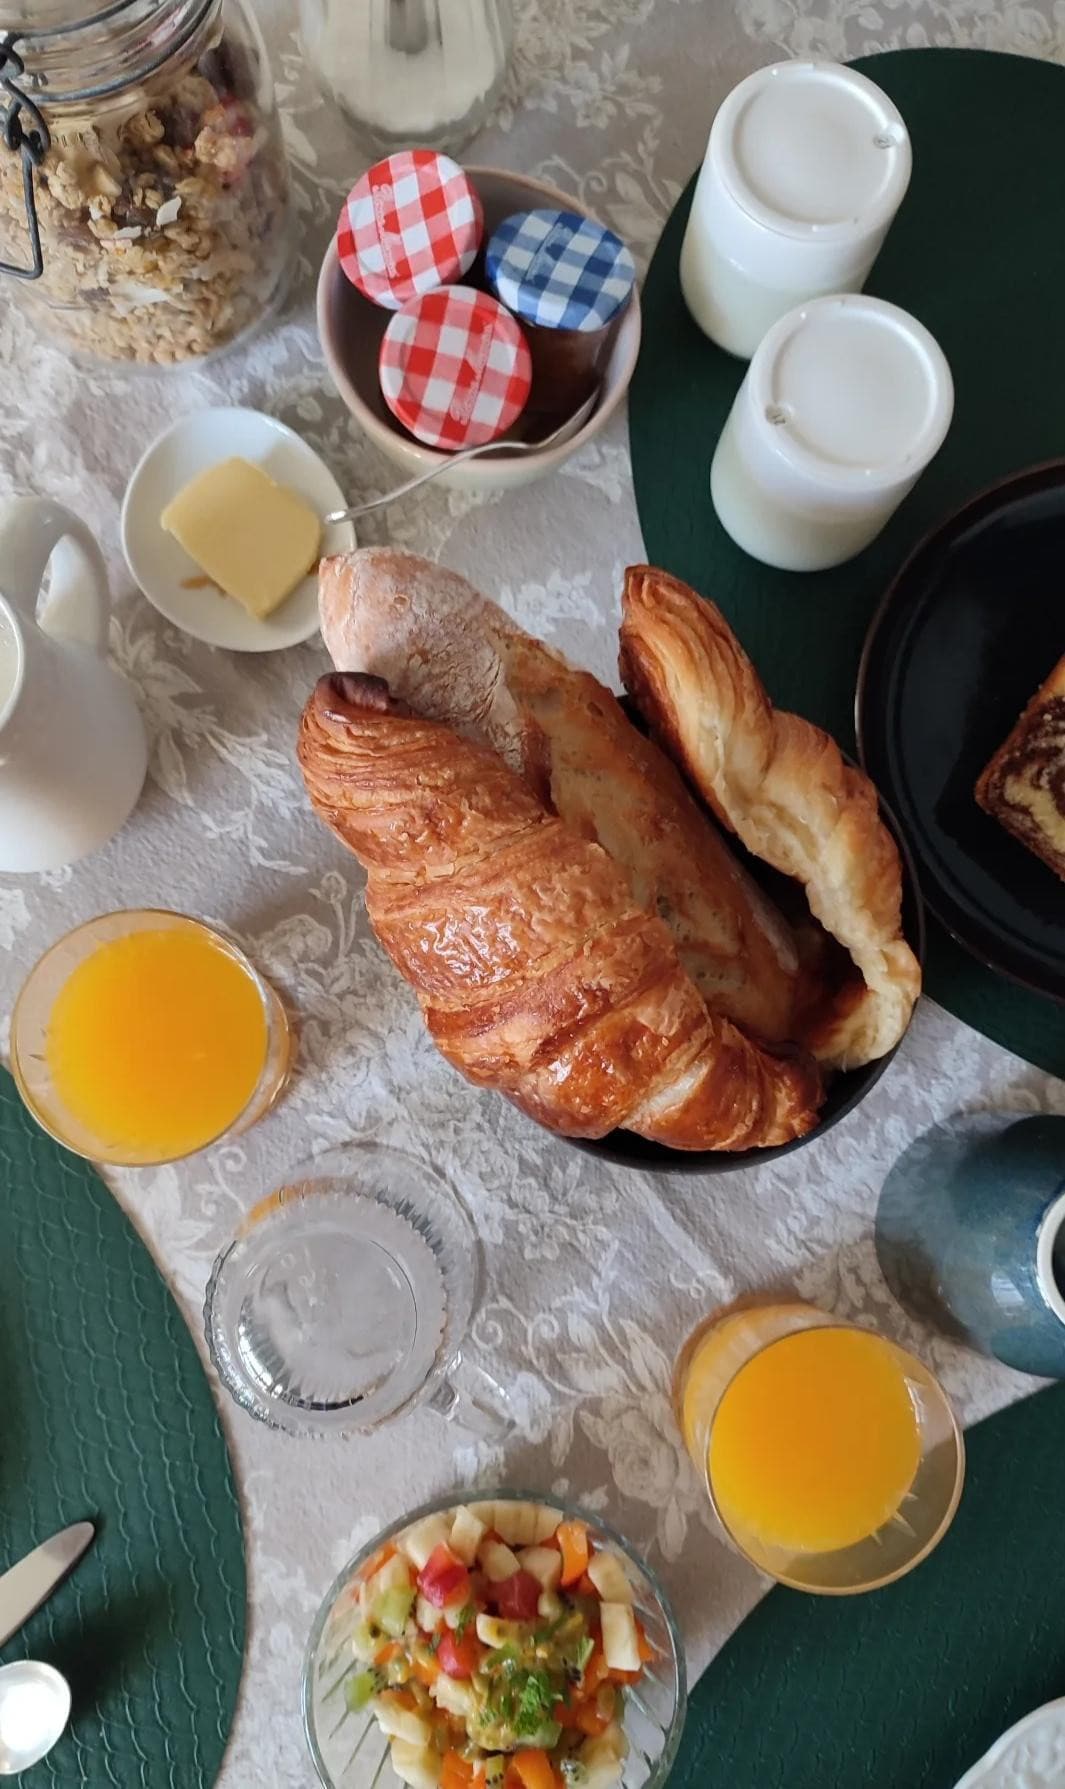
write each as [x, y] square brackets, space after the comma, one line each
[454, 1695]
[603, 1768]
[421, 1540]
[621, 1643]
[610, 1578]
[550, 1606]
[395, 1574]
[467, 1533]
[420, 1766]
[493, 1631]
[399, 1722]
[545, 1564]
[429, 1618]
[497, 1561]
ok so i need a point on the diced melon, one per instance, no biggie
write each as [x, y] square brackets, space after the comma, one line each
[425, 1536]
[517, 1523]
[399, 1722]
[550, 1606]
[547, 1521]
[485, 1512]
[395, 1574]
[621, 1642]
[493, 1631]
[467, 1533]
[429, 1618]
[602, 1765]
[455, 1695]
[420, 1766]
[497, 1561]
[545, 1564]
[610, 1578]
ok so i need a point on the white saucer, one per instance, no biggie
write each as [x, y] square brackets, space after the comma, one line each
[1030, 1755]
[164, 570]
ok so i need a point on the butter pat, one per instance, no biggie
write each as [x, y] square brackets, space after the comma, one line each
[253, 538]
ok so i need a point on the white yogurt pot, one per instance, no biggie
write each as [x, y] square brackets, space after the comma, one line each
[845, 402]
[805, 169]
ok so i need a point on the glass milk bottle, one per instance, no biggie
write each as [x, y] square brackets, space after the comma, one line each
[806, 166]
[411, 73]
[844, 404]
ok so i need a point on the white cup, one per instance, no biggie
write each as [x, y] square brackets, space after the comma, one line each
[805, 169]
[73, 753]
[845, 402]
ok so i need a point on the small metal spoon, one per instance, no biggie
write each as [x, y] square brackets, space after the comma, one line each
[562, 432]
[34, 1710]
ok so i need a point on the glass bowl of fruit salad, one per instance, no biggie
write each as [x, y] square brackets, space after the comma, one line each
[502, 1642]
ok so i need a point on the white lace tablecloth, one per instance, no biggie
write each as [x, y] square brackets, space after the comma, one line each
[594, 1276]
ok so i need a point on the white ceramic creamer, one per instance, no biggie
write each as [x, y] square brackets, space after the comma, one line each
[73, 752]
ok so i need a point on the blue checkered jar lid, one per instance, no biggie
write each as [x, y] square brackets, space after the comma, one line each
[559, 270]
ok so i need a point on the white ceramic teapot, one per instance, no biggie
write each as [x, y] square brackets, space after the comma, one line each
[72, 747]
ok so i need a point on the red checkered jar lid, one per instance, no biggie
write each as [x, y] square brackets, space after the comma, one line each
[411, 223]
[455, 368]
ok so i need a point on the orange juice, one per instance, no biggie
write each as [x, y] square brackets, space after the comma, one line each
[157, 1041]
[815, 1442]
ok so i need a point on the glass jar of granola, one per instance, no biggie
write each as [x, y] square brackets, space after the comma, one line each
[142, 145]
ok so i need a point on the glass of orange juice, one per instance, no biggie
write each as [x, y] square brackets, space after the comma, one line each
[833, 1460]
[142, 1036]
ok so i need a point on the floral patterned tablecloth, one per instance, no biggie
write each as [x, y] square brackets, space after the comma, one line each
[594, 1276]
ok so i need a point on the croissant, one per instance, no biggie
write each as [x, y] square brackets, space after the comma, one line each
[455, 657]
[537, 972]
[782, 786]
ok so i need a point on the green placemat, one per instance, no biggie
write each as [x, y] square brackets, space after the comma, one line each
[106, 1413]
[977, 252]
[906, 1687]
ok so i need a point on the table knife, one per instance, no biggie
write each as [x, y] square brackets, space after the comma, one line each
[31, 1582]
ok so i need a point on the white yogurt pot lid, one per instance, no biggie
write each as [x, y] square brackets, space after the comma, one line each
[812, 150]
[852, 391]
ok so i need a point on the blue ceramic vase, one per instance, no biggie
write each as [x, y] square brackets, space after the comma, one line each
[970, 1235]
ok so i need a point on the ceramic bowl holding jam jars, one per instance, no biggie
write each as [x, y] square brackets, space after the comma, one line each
[352, 329]
[145, 215]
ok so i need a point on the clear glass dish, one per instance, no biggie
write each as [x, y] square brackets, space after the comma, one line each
[344, 1298]
[349, 1750]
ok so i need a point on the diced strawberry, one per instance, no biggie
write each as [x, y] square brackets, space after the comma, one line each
[518, 1597]
[444, 1579]
[459, 1658]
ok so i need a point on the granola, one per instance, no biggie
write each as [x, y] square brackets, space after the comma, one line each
[164, 217]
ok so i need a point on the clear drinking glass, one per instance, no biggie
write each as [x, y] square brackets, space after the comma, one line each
[411, 73]
[343, 1300]
[158, 1056]
[778, 1401]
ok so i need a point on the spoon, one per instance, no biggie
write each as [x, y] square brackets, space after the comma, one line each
[562, 432]
[34, 1710]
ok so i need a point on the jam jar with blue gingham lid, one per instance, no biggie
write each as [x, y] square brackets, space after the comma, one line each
[568, 279]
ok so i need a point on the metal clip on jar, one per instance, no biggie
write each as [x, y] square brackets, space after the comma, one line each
[569, 280]
[144, 190]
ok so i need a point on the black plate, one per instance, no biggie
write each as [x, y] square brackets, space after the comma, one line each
[971, 627]
[845, 1092]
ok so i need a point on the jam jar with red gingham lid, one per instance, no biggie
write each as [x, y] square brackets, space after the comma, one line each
[412, 222]
[144, 190]
[455, 368]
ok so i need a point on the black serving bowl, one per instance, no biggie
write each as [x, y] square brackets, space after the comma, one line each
[846, 1091]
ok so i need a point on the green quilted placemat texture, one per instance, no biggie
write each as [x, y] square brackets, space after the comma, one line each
[904, 1688]
[977, 252]
[106, 1414]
